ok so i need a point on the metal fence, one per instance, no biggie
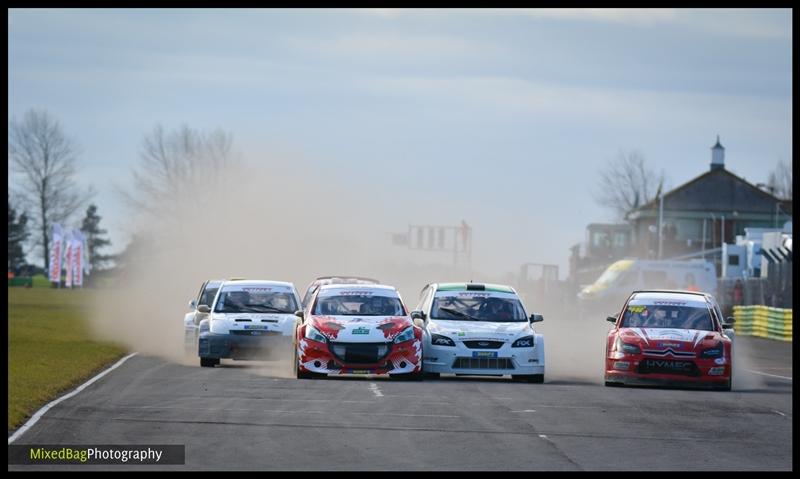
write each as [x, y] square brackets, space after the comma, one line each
[775, 290]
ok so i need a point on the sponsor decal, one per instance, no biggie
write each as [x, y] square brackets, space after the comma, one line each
[670, 303]
[484, 354]
[257, 290]
[461, 333]
[669, 345]
[636, 309]
[355, 293]
[361, 330]
[719, 361]
[474, 295]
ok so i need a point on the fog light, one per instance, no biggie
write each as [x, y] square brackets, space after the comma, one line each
[317, 364]
[622, 365]
[402, 364]
[716, 371]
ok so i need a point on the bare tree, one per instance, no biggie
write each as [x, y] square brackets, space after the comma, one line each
[626, 183]
[46, 161]
[175, 166]
[780, 181]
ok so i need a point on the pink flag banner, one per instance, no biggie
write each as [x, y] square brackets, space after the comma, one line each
[77, 258]
[68, 252]
[55, 255]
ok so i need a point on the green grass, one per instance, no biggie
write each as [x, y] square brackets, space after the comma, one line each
[41, 281]
[49, 348]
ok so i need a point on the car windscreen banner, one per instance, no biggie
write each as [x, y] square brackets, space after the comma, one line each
[385, 293]
[475, 294]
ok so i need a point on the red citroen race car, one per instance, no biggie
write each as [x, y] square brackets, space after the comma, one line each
[358, 329]
[670, 337]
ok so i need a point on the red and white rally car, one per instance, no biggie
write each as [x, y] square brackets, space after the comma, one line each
[672, 337]
[358, 329]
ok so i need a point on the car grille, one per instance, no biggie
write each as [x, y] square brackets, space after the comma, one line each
[666, 366]
[483, 344]
[360, 353]
[254, 332]
[483, 363]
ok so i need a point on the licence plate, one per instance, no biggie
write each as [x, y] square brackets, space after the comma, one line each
[484, 354]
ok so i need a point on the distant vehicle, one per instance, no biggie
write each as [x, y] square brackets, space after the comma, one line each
[357, 329]
[479, 329]
[670, 337]
[191, 321]
[624, 276]
[314, 285]
[246, 319]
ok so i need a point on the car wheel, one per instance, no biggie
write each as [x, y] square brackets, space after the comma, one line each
[530, 378]
[430, 375]
[209, 362]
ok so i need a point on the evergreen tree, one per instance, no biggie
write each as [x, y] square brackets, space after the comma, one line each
[94, 242]
[17, 235]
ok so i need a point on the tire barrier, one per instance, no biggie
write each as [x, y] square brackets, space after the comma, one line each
[764, 322]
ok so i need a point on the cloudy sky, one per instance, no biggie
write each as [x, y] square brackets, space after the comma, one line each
[501, 118]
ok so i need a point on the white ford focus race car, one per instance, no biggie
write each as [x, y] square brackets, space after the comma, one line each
[247, 321]
[191, 320]
[479, 329]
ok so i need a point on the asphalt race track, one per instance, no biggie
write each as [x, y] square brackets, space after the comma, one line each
[230, 417]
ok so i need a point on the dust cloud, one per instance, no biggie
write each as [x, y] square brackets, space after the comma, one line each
[261, 222]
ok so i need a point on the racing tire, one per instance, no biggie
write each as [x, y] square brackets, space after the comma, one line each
[305, 374]
[529, 378]
[407, 376]
[209, 362]
[727, 386]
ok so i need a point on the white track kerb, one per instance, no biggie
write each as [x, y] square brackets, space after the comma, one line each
[80, 388]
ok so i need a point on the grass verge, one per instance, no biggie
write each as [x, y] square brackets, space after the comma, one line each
[49, 347]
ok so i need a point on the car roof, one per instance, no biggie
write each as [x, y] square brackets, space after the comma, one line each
[345, 280]
[357, 286]
[259, 282]
[671, 295]
[496, 288]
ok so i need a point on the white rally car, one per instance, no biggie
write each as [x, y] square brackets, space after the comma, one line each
[191, 320]
[247, 320]
[479, 329]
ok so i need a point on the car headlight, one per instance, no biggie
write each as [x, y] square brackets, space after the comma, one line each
[627, 348]
[406, 335]
[313, 334]
[523, 342]
[439, 340]
[714, 352]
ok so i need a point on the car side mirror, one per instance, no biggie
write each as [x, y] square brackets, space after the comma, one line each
[418, 314]
[536, 318]
[299, 313]
[728, 322]
[203, 308]
[611, 319]
[193, 304]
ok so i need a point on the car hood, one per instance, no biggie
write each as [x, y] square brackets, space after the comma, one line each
[226, 322]
[359, 329]
[670, 338]
[479, 329]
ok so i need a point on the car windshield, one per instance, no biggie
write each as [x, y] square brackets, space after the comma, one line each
[359, 305]
[255, 300]
[208, 296]
[666, 315]
[478, 307]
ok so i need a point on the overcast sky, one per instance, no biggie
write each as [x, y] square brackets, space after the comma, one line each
[501, 118]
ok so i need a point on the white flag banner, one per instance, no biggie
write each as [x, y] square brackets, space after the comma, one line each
[87, 265]
[77, 258]
[68, 252]
[55, 254]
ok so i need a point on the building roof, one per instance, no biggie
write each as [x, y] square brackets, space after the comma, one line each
[716, 190]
